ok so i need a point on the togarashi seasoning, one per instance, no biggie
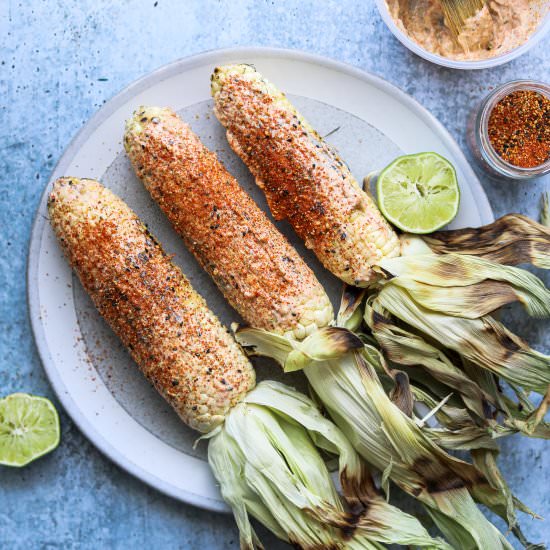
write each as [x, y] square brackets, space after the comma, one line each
[519, 128]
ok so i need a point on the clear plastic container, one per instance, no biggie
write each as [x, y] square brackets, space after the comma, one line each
[478, 136]
[536, 37]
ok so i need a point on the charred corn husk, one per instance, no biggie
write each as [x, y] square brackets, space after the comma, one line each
[450, 297]
[304, 179]
[258, 119]
[259, 272]
[513, 239]
[386, 438]
[482, 340]
[320, 346]
[545, 209]
[379, 523]
[349, 389]
[264, 439]
[431, 367]
[169, 182]
[175, 339]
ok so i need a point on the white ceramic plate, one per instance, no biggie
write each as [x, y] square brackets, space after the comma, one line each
[98, 384]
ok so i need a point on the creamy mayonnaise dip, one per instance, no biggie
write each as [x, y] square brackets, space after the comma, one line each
[499, 27]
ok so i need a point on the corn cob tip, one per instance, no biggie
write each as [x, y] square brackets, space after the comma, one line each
[142, 116]
[66, 183]
[222, 73]
[241, 73]
[74, 193]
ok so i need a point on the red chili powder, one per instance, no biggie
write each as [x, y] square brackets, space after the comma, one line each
[519, 128]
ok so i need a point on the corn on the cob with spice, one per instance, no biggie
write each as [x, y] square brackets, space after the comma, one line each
[350, 391]
[219, 219]
[177, 341]
[306, 183]
[263, 439]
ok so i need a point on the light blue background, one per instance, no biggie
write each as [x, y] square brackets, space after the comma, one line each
[59, 62]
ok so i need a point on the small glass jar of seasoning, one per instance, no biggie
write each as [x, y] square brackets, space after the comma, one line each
[509, 133]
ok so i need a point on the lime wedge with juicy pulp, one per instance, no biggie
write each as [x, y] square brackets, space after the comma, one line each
[29, 428]
[418, 193]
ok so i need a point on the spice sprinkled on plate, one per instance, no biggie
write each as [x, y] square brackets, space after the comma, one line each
[519, 128]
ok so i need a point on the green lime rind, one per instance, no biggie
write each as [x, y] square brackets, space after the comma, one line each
[418, 193]
[29, 429]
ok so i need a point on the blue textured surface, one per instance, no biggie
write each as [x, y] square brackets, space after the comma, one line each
[59, 62]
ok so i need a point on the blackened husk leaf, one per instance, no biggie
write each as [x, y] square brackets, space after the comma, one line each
[406, 348]
[485, 460]
[349, 314]
[513, 239]
[483, 341]
[466, 286]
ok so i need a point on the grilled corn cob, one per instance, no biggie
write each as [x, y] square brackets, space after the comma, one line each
[298, 174]
[150, 304]
[304, 179]
[438, 471]
[256, 268]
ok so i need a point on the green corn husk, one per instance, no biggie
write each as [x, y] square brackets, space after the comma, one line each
[545, 209]
[528, 418]
[405, 348]
[521, 415]
[481, 442]
[459, 419]
[485, 460]
[466, 286]
[436, 283]
[483, 447]
[472, 436]
[456, 430]
[513, 239]
[266, 460]
[486, 380]
[350, 315]
[484, 341]
[459, 433]
[324, 344]
[386, 438]
[394, 444]
[469, 438]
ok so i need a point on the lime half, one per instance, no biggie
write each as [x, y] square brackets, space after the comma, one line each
[29, 428]
[418, 193]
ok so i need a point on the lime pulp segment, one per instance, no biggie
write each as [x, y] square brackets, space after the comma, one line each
[418, 193]
[29, 428]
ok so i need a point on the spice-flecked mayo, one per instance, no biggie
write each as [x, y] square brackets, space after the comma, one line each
[501, 26]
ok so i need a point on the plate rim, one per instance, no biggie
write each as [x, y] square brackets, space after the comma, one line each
[161, 73]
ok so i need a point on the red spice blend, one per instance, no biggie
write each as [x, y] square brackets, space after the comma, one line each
[519, 128]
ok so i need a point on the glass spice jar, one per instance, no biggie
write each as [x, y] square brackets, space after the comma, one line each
[478, 133]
